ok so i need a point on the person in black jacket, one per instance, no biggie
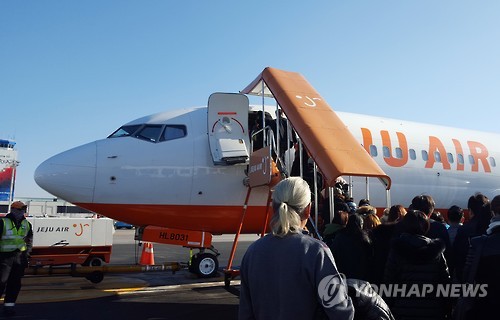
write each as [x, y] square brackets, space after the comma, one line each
[283, 139]
[340, 219]
[455, 221]
[415, 260]
[426, 204]
[381, 238]
[352, 250]
[368, 304]
[480, 214]
[481, 268]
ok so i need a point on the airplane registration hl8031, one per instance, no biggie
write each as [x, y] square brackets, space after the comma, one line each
[186, 169]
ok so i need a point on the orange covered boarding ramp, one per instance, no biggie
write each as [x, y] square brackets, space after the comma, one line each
[334, 149]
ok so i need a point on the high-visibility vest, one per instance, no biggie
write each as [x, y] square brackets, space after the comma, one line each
[13, 238]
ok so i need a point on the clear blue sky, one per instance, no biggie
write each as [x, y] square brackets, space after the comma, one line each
[73, 71]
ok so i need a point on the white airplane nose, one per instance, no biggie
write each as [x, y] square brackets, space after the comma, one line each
[70, 175]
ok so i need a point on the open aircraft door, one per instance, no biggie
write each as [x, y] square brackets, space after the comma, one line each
[228, 128]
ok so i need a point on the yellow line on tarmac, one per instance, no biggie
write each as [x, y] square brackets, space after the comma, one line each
[66, 288]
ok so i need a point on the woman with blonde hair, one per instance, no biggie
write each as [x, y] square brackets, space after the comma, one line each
[370, 218]
[288, 274]
[366, 210]
[370, 222]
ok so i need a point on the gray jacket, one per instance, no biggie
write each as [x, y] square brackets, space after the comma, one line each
[294, 277]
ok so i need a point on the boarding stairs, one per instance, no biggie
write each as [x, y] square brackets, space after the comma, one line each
[333, 148]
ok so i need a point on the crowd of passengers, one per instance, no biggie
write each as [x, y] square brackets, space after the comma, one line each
[418, 245]
[412, 245]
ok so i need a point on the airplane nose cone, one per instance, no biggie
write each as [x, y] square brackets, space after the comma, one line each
[70, 175]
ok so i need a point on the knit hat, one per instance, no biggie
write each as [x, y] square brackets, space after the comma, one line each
[18, 205]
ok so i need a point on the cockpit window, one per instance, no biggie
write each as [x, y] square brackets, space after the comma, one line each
[124, 131]
[149, 132]
[173, 132]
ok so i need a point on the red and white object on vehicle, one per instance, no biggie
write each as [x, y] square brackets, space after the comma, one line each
[62, 240]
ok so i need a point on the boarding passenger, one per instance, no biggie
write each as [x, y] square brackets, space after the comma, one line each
[366, 210]
[426, 204]
[368, 304]
[288, 274]
[416, 261]
[480, 215]
[455, 220]
[352, 206]
[352, 249]
[437, 216]
[370, 218]
[257, 138]
[481, 268]
[307, 166]
[396, 213]
[364, 202]
[385, 215]
[15, 246]
[381, 238]
[370, 222]
[340, 218]
[284, 140]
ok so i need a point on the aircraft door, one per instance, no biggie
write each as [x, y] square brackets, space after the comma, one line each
[228, 128]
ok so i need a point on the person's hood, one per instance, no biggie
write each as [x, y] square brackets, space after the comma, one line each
[494, 226]
[417, 248]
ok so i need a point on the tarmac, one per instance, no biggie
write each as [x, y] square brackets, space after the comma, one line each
[127, 296]
[133, 295]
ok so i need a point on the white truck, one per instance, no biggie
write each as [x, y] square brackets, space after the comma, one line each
[65, 240]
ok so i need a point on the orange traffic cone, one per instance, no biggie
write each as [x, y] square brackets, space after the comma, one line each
[147, 256]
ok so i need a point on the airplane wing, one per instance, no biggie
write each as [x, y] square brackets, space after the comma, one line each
[332, 146]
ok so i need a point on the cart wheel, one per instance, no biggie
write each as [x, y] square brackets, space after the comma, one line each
[94, 262]
[205, 265]
[95, 277]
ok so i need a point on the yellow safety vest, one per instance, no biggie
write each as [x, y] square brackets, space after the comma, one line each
[13, 238]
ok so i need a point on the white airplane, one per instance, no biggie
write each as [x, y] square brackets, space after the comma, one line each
[187, 170]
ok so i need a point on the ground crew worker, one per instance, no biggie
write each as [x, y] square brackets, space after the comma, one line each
[16, 239]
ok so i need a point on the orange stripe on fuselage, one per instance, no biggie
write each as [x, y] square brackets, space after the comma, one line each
[213, 219]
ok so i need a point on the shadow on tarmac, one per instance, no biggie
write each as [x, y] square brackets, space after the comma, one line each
[152, 296]
[128, 308]
[75, 298]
